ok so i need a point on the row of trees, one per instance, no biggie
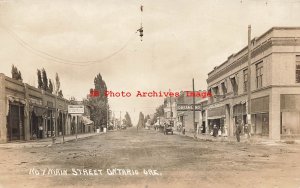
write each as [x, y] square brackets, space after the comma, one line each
[98, 104]
[43, 82]
[47, 85]
[143, 119]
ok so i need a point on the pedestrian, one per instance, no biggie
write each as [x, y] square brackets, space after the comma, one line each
[219, 132]
[215, 130]
[247, 131]
[41, 131]
[238, 132]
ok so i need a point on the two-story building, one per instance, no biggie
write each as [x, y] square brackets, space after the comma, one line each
[275, 86]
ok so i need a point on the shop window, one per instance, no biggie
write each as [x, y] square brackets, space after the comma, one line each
[298, 69]
[259, 75]
[245, 73]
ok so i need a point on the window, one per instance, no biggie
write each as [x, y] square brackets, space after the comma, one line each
[245, 73]
[234, 85]
[298, 69]
[259, 74]
[224, 89]
[216, 90]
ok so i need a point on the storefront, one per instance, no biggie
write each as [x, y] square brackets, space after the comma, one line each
[36, 122]
[260, 116]
[15, 121]
[239, 115]
[290, 115]
[36, 112]
[216, 116]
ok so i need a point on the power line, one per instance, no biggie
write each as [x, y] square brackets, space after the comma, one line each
[59, 60]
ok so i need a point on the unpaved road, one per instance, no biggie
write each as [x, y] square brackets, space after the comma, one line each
[169, 160]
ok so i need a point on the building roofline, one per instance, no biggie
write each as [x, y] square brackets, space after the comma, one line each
[254, 39]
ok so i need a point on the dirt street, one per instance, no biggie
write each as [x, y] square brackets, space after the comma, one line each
[150, 159]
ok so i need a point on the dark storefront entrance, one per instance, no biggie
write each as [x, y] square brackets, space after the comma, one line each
[36, 122]
[260, 116]
[261, 124]
[15, 122]
[50, 123]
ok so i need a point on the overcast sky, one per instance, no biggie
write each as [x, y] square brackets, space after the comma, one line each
[182, 39]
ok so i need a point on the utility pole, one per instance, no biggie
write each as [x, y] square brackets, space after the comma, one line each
[171, 115]
[249, 78]
[120, 119]
[195, 128]
[65, 123]
[107, 117]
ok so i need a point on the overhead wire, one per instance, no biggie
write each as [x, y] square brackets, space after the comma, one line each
[59, 60]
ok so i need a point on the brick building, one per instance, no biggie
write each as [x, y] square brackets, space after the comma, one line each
[275, 86]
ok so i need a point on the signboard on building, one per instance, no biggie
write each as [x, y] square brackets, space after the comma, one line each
[36, 101]
[188, 107]
[75, 109]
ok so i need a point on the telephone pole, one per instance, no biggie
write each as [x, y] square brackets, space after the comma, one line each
[249, 77]
[171, 115]
[195, 128]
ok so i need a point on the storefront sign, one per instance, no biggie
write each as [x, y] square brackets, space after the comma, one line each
[75, 109]
[188, 107]
[36, 101]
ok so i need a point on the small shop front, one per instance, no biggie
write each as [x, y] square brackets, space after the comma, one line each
[15, 121]
[260, 116]
[216, 117]
[290, 115]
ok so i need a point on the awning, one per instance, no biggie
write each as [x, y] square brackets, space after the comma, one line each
[86, 120]
[216, 112]
[216, 117]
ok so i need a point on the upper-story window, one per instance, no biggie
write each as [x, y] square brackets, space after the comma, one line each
[216, 90]
[245, 74]
[234, 85]
[298, 69]
[224, 88]
[259, 75]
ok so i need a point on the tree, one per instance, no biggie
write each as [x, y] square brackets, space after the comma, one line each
[57, 84]
[100, 86]
[99, 104]
[15, 73]
[50, 88]
[40, 81]
[45, 80]
[158, 113]
[60, 94]
[128, 122]
[20, 76]
[141, 122]
[146, 118]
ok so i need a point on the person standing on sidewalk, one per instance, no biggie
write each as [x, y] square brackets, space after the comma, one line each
[41, 131]
[215, 130]
[238, 132]
[247, 131]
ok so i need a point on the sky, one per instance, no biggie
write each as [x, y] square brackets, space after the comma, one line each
[183, 39]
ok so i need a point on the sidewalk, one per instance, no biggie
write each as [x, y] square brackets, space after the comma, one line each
[47, 141]
[253, 140]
